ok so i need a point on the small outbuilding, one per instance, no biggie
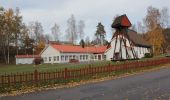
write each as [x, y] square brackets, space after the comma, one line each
[25, 59]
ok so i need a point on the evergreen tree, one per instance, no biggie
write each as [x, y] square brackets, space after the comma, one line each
[82, 43]
[100, 34]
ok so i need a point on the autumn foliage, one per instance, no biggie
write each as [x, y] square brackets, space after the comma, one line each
[40, 47]
[156, 39]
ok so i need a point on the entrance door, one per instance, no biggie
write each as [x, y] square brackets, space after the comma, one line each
[116, 56]
[99, 57]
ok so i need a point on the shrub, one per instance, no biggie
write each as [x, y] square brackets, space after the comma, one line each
[38, 61]
[148, 55]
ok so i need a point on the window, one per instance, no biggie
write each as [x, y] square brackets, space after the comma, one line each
[104, 57]
[70, 57]
[92, 57]
[54, 58]
[86, 57]
[95, 57]
[80, 57]
[66, 58]
[58, 58]
[62, 58]
[83, 57]
[49, 58]
[74, 56]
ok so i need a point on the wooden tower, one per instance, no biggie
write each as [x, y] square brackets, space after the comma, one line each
[121, 25]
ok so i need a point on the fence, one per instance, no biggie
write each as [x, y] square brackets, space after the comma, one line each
[37, 77]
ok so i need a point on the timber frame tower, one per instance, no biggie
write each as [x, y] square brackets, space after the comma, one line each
[121, 25]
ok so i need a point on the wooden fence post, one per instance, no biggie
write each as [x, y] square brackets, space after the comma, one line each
[14, 78]
[8, 76]
[109, 68]
[36, 77]
[65, 73]
[2, 80]
[89, 70]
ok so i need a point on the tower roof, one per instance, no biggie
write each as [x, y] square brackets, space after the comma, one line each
[121, 21]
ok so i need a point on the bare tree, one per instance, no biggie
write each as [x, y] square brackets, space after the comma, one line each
[72, 29]
[36, 31]
[55, 30]
[140, 27]
[133, 27]
[17, 28]
[47, 37]
[152, 18]
[87, 41]
[81, 26]
[165, 18]
[26, 40]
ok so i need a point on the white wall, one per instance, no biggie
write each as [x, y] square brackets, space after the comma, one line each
[109, 52]
[24, 60]
[50, 52]
[81, 57]
[140, 51]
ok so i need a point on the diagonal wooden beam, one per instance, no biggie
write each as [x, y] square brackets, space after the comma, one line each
[115, 46]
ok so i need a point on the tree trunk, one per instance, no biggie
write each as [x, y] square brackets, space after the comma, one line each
[4, 55]
[8, 53]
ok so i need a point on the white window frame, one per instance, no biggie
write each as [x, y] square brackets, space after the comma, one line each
[54, 58]
[58, 58]
[62, 58]
[49, 58]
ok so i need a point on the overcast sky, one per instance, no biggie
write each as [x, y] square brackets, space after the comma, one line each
[49, 12]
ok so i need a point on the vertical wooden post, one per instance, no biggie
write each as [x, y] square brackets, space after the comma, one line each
[124, 41]
[8, 80]
[120, 49]
[109, 68]
[2, 80]
[89, 70]
[65, 73]
[20, 77]
[26, 77]
[115, 47]
[14, 78]
[36, 77]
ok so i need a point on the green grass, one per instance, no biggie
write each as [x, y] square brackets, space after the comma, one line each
[8, 69]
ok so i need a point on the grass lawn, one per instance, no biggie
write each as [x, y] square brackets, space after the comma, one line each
[7, 69]
[48, 67]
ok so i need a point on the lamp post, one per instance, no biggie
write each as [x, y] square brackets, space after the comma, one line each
[33, 55]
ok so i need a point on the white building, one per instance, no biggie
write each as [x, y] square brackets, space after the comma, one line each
[25, 59]
[138, 44]
[59, 53]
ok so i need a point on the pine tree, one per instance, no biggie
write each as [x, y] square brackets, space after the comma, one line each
[100, 34]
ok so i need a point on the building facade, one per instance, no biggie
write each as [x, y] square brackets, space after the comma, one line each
[54, 53]
[138, 44]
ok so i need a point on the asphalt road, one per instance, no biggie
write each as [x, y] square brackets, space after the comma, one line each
[147, 86]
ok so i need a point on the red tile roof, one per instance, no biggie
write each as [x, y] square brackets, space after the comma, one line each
[79, 49]
[27, 56]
